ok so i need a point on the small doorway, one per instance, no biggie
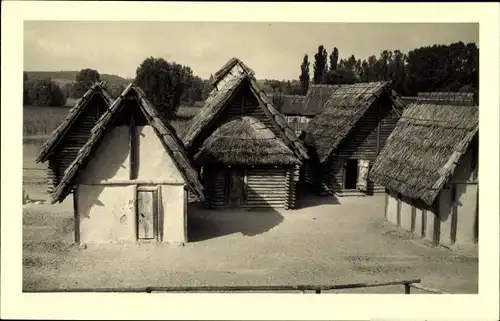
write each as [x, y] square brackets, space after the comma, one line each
[350, 174]
[147, 214]
[235, 183]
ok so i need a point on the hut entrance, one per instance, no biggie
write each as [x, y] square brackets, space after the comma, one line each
[350, 174]
[236, 187]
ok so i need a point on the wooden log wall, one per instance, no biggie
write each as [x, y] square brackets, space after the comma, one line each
[294, 177]
[365, 141]
[76, 137]
[288, 188]
[219, 196]
[51, 177]
[214, 179]
[267, 187]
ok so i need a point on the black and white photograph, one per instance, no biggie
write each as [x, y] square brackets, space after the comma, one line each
[264, 157]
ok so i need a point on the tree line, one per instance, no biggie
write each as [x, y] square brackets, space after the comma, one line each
[166, 84]
[453, 67]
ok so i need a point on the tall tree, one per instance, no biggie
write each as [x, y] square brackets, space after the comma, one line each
[84, 80]
[163, 83]
[304, 75]
[350, 63]
[334, 59]
[320, 64]
[397, 71]
[45, 93]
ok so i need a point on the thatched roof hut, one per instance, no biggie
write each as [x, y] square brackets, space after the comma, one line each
[172, 144]
[316, 99]
[345, 106]
[426, 145]
[308, 105]
[229, 82]
[61, 148]
[243, 145]
[288, 105]
[244, 141]
[96, 91]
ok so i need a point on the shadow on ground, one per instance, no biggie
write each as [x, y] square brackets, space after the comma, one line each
[204, 224]
[307, 199]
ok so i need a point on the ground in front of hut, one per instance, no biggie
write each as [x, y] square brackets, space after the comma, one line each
[327, 241]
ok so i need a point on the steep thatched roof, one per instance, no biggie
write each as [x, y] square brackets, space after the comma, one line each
[227, 68]
[345, 107]
[289, 105]
[316, 99]
[224, 91]
[309, 105]
[425, 147]
[450, 98]
[172, 144]
[245, 141]
[56, 137]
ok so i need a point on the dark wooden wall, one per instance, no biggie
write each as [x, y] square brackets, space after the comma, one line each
[365, 141]
[266, 186]
[74, 139]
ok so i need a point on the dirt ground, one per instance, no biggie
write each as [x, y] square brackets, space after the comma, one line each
[327, 241]
[323, 244]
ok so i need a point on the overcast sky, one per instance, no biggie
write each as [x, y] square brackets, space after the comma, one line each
[272, 50]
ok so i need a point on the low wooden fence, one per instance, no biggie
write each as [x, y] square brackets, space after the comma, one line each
[317, 289]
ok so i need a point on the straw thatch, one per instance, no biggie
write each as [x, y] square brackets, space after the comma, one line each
[172, 144]
[227, 86]
[316, 99]
[56, 137]
[245, 141]
[450, 98]
[345, 107]
[425, 147]
[289, 105]
[227, 68]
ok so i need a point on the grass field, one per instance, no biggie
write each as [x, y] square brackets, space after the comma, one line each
[41, 121]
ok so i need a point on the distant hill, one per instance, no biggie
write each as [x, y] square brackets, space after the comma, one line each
[63, 77]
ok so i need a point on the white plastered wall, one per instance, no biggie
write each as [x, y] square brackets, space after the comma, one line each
[105, 198]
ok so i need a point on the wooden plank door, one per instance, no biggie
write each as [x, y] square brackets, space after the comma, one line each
[236, 186]
[147, 214]
[362, 181]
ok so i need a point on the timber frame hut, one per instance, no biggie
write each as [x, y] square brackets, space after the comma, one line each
[130, 180]
[345, 139]
[244, 149]
[291, 108]
[429, 167]
[62, 146]
[299, 110]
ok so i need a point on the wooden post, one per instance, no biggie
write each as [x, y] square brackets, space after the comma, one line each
[407, 288]
[132, 148]
[378, 128]
[386, 205]
[76, 216]
[454, 213]
[398, 209]
[288, 188]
